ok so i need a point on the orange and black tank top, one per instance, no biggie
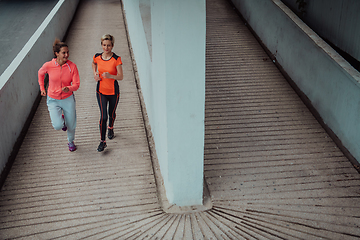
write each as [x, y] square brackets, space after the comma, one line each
[107, 86]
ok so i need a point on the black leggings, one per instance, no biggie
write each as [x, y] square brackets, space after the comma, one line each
[103, 101]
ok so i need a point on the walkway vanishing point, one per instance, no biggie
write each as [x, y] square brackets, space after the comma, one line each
[272, 170]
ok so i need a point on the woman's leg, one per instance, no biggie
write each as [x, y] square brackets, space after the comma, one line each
[55, 112]
[69, 108]
[113, 102]
[102, 101]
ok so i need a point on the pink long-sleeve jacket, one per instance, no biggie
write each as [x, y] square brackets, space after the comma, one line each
[66, 75]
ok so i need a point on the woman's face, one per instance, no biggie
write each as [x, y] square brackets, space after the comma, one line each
[107, 46]
[63, 54]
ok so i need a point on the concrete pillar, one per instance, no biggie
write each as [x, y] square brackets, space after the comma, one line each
[178, 91]
[168, 41]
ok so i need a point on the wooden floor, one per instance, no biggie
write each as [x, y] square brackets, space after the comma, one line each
[272, 171]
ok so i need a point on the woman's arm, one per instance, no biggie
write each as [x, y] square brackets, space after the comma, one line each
[75, 81]
[118, 76]
[95, 72]
[41, 77]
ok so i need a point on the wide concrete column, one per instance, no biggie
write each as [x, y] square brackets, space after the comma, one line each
[178, 94]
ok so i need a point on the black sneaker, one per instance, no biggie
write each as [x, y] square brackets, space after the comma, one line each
[101, 146]
[110, 133]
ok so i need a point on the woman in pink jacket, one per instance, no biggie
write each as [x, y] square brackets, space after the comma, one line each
[63, 81]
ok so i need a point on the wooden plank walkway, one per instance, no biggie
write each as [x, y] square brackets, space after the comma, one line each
[272, 171]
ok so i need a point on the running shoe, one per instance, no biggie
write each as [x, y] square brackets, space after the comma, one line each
[72, 146]
[64, 128]
[110, 133]
[101, 146]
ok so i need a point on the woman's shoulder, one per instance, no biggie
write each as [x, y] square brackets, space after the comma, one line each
[115, 56]
[52, 61]
[49, 63]
[70, 62]
[97, 55]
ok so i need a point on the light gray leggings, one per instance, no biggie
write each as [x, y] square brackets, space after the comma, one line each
[56, 108]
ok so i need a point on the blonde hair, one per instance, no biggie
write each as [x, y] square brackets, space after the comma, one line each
[108, 37]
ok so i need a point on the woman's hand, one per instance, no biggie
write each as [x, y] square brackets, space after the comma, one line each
[65, 89]
[43, 93]
[97, 77]
[107, 75]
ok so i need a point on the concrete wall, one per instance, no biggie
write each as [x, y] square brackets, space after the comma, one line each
[18, 83]
[336, 20]
[171, 69]
[330, 83]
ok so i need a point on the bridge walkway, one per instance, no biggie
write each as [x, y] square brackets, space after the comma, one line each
[272, 170]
